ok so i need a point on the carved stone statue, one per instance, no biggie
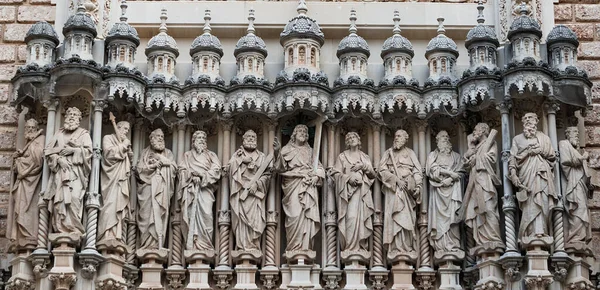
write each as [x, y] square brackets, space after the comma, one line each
[250, 174]
[576, 189]
[27, 164]
[156, 183]
[300, 182]
[531, 165]
[401, 178]
[199, 172]
[444, 169]
[114, 177]
[481, 197]
[353, 175]
[69, 155]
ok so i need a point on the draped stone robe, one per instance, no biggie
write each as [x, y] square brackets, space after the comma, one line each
[300, 199]
[399, 221]
[444, 201]
[197, 199]
[575, 181]
[248, 210]
[355, 203]
[23, 213]
[155, 188]
[536, 174]
[114, 184]
[67, 186]
[481, 213]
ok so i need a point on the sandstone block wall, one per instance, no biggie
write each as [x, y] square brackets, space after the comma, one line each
[583, 16]
[16, 17]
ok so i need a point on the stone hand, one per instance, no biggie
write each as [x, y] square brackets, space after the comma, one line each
[67, 151]
[401, 183]
[253, 188]
[535, 150]
[357, 166]
[447, 182]
[63, 163]
[585, 155]
[196, 180]
[17, 154]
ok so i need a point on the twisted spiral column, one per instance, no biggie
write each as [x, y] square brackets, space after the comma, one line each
[177, 258]
[271, 238]
[558, 227]
[424, 250]
[91, 228]
[131, 243]
[224, 222]
[509, 209]
[424, 242]
[378, 240]
[43, 227]
[470, 244]
[330, 238]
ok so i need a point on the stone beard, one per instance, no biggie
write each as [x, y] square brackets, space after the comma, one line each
[248, 198]
[444, 169]
[481, 207]
[531, 164]
[401, 178]
[69, 156]
[353, 175]
[115, 181]
[575, 182]
[199, 173]
[156, 171]
[23, 210]
[300, 183]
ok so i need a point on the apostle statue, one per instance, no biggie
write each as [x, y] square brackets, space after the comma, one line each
[481, 197]
[301, 177]
[250, 174]
[444, 169]
[353, 175]
[114, 177]
[401, 178]
[27, 165]
[576, 188]
[531, 165]
[199, 172]
[69, 156]
[156, 171]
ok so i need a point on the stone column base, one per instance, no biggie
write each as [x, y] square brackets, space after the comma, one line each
[538, 276]
[450, 277]
[402, 273]
[246, 276]
[110, 273]
[355, 276]
[491, 275]
[62, 274]
[579, 275]
[22, 273]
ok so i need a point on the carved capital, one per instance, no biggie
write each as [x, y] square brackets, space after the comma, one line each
[538, 282]
[332, 281]
[269, 280]
[224, 218]
[505, 106]
[421, 125]
[226, 124]
[511, 266]
[110, 284]
[97, 153]
[89, 264]
[93, 200]
[426, 280]
[63, 281]
[181, 126]
[176, 279]
[509, 202]
[330, 218]
[272, 217]
[378, 218]
[505, 155]
[51, 104]
[271, 124]
[99, 105]
[40, 261]
[378, 280]
[20, 284]
[222, 278]
[551, 106]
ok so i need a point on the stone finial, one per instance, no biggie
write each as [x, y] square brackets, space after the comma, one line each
[163, 20]
[123, 17]
[302, 8]
[353, 28]
[480, 17]
[207, 19]
[441, 29]
[251, 21]
[524, 10]
[396, 23]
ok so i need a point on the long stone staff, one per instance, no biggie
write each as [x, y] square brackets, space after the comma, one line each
[317, 144]
[114, 123]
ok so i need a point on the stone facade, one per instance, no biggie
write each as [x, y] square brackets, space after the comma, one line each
[230, 161]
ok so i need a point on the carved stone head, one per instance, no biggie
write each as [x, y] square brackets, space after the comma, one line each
[400, 139]
[157, 140]
[572, 134]
[123, 129]
[249, 140]
[72, 119]
[300, 135]
[352, 140]
[199, 141]
[31, 129]
[482, 130]
[443, 142]
[530, 121]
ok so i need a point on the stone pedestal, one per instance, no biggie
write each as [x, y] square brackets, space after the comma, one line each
[538, 276]
[62, 274]
[449, 271]
[354, 268]
[110, 272]
[402, 276]
[491, 274]
[199, 268]
[245, 269]
[286, 276]
[300, 267]
[315, 274]
[22, 273]
[579, 275]
[152, 267]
